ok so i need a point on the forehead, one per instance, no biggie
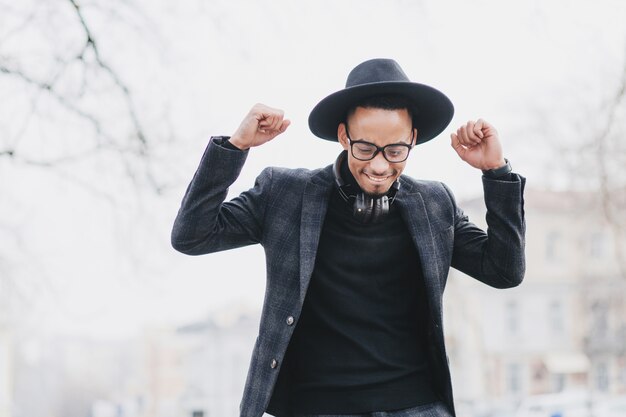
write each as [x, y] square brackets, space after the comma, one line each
[380, 126]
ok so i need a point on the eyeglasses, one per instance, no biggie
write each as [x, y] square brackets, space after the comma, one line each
[366, 151]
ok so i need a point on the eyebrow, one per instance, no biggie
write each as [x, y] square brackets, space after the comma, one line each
[372, 143]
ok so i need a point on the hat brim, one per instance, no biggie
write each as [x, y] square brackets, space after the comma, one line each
[433, 111]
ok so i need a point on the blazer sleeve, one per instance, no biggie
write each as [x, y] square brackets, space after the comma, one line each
[495, 257]
[205, 223]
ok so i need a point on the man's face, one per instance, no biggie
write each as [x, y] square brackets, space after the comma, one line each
[380, 127]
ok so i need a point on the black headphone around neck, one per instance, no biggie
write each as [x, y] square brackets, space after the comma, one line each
[366, 208]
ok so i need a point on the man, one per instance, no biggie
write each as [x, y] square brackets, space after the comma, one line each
[357, 254]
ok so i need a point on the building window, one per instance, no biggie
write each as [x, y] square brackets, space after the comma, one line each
[602, 377]
[599, 314]
[553, 243]
[512, 317]
[514, 378]
[556, 317]
[558, 382]
[597, 245]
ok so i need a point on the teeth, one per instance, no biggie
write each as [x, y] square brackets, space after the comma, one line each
[376, 179]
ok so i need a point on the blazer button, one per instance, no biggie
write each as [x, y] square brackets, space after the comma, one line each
[274, 364]
[289, 320]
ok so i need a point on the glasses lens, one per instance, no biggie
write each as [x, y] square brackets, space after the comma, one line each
[363, 151]
[396, 153]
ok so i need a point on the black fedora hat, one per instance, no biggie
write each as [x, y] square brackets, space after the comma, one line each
[432, 110]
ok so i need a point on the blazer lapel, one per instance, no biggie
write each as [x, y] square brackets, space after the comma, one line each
[314, 205]
[413, 210]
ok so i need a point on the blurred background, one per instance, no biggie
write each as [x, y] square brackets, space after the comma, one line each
[107, 105]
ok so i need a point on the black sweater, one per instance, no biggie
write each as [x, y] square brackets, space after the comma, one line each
[359, 345]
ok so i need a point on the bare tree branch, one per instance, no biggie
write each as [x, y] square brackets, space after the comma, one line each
[49, 88]
[91, 44]
[133, 148]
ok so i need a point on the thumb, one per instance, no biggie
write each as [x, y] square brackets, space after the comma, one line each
[284, 125]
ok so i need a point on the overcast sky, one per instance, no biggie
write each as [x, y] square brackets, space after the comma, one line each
[537, 70]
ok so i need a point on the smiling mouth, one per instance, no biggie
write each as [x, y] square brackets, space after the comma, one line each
[377, 179]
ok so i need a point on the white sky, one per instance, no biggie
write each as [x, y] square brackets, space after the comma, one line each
[88, 266]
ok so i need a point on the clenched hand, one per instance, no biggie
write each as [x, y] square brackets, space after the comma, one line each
[261, 125]
[478, 144]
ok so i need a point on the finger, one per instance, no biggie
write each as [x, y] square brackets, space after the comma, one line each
[478, 128]
[265, 120]
[462, 134]
[469, 127]
[267, 115]
[277, 120]
[271, 134]
[264, 125]
[457, 146]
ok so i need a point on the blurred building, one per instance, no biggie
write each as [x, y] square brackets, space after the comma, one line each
[65, 375]
[563, 329]
[215, 364]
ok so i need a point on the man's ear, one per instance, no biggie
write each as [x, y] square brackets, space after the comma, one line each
[414, 138]
[342, 136]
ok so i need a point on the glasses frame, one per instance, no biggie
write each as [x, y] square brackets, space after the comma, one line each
[379, 148]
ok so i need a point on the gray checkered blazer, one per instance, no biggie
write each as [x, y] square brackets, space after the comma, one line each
[284, 212]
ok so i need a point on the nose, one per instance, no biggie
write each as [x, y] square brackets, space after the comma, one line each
[379, 165]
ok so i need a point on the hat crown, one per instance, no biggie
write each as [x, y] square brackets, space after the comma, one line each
[376, 71]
